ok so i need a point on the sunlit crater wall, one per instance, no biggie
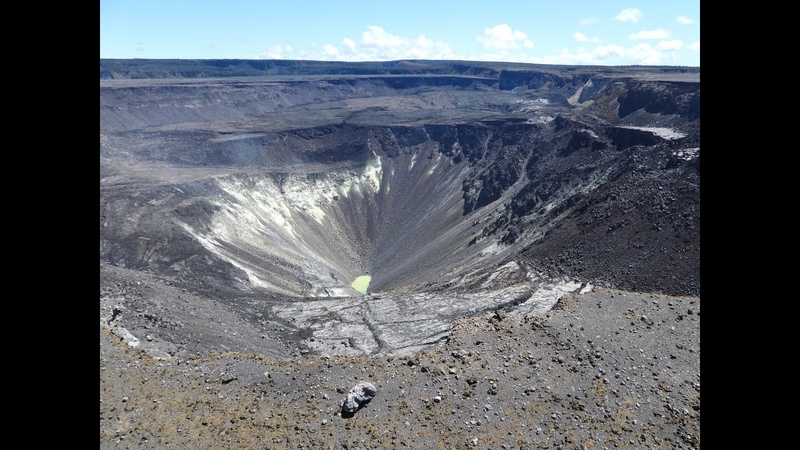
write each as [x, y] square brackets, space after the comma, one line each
[397, 218]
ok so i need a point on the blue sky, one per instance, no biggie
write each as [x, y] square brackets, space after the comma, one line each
[607, 32]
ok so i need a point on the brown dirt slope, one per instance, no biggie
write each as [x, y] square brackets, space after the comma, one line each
[605, 369]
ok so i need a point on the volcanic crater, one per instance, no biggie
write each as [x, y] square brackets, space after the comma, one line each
[256, 202]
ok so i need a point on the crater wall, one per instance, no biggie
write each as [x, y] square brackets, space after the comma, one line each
[455, 194]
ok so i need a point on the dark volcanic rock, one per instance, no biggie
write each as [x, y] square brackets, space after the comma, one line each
[510, 79]
[665, 98]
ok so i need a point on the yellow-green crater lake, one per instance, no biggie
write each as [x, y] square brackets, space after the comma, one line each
[362, 283]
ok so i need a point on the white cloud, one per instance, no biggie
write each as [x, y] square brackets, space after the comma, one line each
[580, 37]
[331, 51]
[665, 52]
[683, 20]
[629, 15]
[601, 55]
[587, 21]
[377, 44]
[658, 33]
[378, 37]
[645, 54]
[502, 37]
[500, 43]
[612, 54]
[607, 51]
[565, 56]
[670, 45]
[276, 52]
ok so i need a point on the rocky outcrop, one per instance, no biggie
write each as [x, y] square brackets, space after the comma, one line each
[510, 79]
[665, 98]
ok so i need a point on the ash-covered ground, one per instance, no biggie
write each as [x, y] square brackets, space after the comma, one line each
[532, 238]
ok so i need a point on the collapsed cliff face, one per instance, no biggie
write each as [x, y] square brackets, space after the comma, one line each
[664, 98]
[456, 194]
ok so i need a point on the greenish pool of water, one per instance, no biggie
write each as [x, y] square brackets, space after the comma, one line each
[362, 283]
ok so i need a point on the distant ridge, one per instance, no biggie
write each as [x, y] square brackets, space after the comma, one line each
[213, 68]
